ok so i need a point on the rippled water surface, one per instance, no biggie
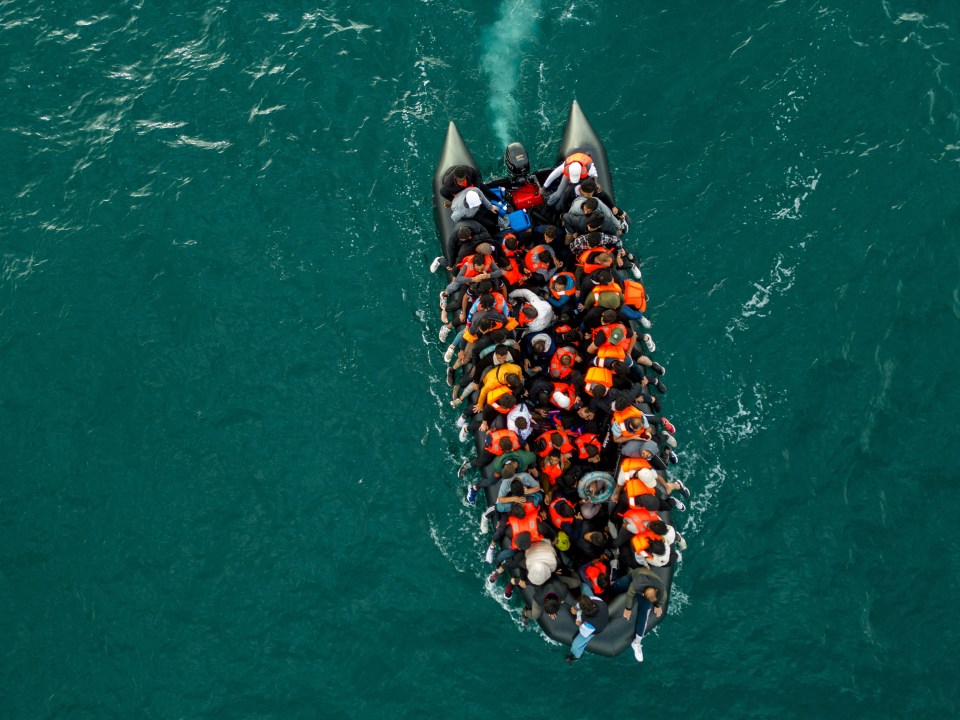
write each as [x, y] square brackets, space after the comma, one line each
[229, 485]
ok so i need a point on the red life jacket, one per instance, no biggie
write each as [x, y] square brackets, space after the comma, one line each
[641, 541]
[527, 524]
[593, 571]
[559, 521]
[620, 418]
[493, 441]
[608, 349]
[557, 369]
[553, 472]
[584, 441]
[512, 274]
[609, 287]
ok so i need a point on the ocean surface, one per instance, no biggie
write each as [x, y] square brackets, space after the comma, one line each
[228, 467]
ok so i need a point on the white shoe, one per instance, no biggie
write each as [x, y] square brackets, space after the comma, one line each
[448, 355]
[637, 649]
[489, 555]
[461, 422]
[464, 434]
[636, 272]
[435, 265]
[646, 323]
[484, 529]
[444, 332]
[648, 341]
[681, 543]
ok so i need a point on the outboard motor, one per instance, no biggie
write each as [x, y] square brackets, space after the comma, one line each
[517, 161]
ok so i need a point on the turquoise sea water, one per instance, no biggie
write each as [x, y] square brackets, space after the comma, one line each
[229, 485]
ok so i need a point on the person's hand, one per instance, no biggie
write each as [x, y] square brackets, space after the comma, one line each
[658, 611]
[447, 203]
[522, 583]
[484, 427]
[477, 408]
[573, 611]
[627, 612]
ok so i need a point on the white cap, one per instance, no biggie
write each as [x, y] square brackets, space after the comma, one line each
[647, 476]
[473, 199]
[561, 400]
[575, 169]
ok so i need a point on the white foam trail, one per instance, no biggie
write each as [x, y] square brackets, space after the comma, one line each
[503, 43]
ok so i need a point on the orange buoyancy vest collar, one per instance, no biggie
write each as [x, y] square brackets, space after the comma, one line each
[532, 264]
[527, 524]
[471, 270]
[620, 418]
[494, 438]
[557, 369]
[494, 395]
[598, 376]
[584, 441]
[565, 448]
[569, 286]
[585, 161]
[635, 519]
[593, 571]
[634, 295]
[558, 520]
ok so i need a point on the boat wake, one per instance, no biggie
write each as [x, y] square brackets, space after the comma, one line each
[502, 49]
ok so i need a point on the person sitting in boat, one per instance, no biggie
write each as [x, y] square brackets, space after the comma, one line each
[562, 290]
[519, 488]
[590, 187]
[595, 576]
[538, 349]
[544, 316]
[518, 529]
[593, 617]
[465, 237]
[575, 168]
[644, 487]
[457, 179]
[549, 596]
[476, 268]
[474, 205]
[589, 216]
[542, 264]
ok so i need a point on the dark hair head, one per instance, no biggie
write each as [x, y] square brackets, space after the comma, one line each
[506, 444]
[514, 380]
[539, 346]
[565, 509]
[516, 488]
[556, 439]
[530, 312]
[508, 401]
[509, 470]
[542, 256]
[588, 606]
[510, 242]
[657, 547]
[522, 540]
[479, 259]
[589, 185]
[619, 367]
[550, 231]
[517, 510]
[658, 526]
[551, 605]
[608, 316]
[484, 286]
[603, 581]
[595, 221]
[464, 233]
[596, 538]
[594, 239]
[598, 390]
[487, 301]
[591, 451]
[460, 172]
[485, 324]
[603, 276]
[501, 350]
[591, 204]
[521, 423]
[633, 424]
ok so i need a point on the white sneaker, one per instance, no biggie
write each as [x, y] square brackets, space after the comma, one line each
[464, 434]
[489, 555]
[646, 323]
[648, 341]
[461, 422]
[636, 272]
[484, 529]
[681, 543]
[435, 265]
[637, 649]
[448, 355]
[444, 332]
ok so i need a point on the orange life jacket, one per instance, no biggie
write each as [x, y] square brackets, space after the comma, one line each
[512, 274]
[471, 270]
[494, 395]
[636, 518]
[494, 438]
[584, 441]
[598, 376]
[533, 265]
[641, 541]
[620, 418]
[587, 259]
[566, 389]
[571, 290]
[609, 287]
[557, 369]
[593, 571]
[585, 161]
[634, 295]
[527, 524]
[553, 472]
[558, 520]
[565, 448]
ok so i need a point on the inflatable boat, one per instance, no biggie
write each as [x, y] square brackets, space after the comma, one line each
[578, 137]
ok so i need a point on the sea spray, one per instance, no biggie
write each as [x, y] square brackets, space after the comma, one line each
[502, 44]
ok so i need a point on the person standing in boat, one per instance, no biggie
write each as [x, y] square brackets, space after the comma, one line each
[593, 616]
[575, 168]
